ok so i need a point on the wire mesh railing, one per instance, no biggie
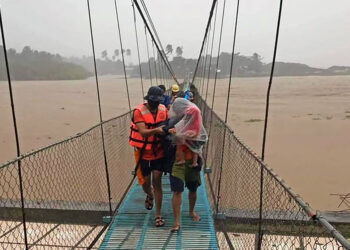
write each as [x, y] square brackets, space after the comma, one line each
[234, 191]
[65, 189]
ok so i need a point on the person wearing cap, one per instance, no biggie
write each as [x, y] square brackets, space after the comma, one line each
[174, 91]
[149, 154]
[166, 102]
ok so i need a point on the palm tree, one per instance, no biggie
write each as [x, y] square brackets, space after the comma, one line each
[104, 54]
[116, 53]
[179, 51]
[169, 49]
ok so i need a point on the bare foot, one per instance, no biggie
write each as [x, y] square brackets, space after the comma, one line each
[195, 217]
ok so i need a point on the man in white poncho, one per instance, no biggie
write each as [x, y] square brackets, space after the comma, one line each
[189, 136]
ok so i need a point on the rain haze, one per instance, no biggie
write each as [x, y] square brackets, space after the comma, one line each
[312, 32]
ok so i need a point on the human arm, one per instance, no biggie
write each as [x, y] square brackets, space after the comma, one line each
[149, 132]
[141, 126]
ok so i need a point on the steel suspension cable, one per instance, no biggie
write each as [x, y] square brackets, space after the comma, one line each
[218, 56]
[155, 31]
[227, 104]
[14, 120]
[211, 53]
[138, 49]
[215, 80]
[159, 70]
[149, 62]
[155, 64]
[265, 123]
[205, 62]
[205, 36]
[122, 50]
[100, 111]
[153, 39]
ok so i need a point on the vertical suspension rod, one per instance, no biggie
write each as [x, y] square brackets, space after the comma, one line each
[265, 124]
[205, 36]
[228, 102]
[18, 149]
[100, 112]
[149, 63]
[138, 49]
[121, 48]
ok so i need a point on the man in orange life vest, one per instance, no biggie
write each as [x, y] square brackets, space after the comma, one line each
[149, 154]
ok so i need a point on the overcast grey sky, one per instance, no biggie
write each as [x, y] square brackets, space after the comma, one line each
[315, 32]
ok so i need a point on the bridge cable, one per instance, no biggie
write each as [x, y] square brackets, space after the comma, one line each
[138, 49]
[100, 112]
[202, 69]
[15, 130]
[228, 101]
[265, 123]
[154, 30]
[205, 63]
[154, 62]
[215, 81]
[121, 48]
[165, 59]
[149, 62]
[211, 53]
[205, 36]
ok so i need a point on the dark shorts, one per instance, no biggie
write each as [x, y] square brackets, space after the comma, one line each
[148, 166]
[177, 185]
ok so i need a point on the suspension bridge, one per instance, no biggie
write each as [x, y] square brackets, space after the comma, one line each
[46, 201]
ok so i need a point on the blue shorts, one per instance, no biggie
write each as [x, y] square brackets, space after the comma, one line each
[177, 185]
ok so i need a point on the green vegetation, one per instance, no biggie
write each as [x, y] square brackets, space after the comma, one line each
[40, 65]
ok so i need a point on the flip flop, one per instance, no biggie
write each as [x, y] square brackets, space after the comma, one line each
[175, 229]
[196, 218]
[149, 202]
[159, 221]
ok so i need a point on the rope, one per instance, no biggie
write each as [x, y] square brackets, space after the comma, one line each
[138, 49]
[100, 111]
[228, 102]
[149, 63]
[265, 123]
[122, 50]
[15, 130]
[205, 36]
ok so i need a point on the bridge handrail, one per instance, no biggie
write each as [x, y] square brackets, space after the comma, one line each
[211, 159]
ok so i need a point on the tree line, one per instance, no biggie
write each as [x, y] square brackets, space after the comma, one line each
[39, 65]
[32, 64]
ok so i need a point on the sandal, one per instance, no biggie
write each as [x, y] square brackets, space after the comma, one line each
[159, 221]
[175, 229]
[149, 202]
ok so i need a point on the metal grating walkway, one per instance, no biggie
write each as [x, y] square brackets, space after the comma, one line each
[133, 227]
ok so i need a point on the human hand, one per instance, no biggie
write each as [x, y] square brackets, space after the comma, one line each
[172, 131]
[190, 133]
[159, 130]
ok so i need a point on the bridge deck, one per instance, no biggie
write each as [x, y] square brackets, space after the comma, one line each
[133, 227]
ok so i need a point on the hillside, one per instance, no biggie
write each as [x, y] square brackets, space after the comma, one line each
[40, 65]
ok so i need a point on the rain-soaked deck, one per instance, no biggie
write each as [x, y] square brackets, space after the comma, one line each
[133, 227]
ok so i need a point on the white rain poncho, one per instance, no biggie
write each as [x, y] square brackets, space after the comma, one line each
[187, 120]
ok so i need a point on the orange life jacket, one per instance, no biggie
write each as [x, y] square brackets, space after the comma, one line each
[136, 139]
